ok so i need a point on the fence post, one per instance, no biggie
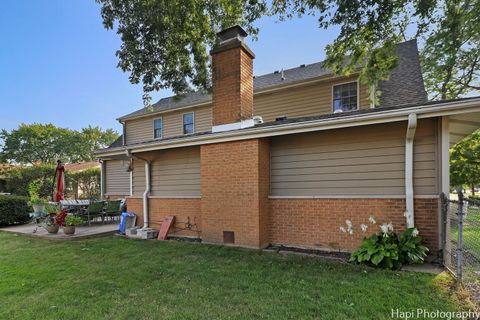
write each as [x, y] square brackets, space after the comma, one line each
[446, 248]
[460, 236]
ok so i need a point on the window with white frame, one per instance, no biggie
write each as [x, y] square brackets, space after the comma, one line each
[188, 123]
[157, 128]
[345, 97]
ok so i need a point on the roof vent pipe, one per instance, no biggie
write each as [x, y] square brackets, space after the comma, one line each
[409, 196]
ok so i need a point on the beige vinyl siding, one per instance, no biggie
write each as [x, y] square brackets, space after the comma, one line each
[307, 100]
[304, 100]
[174, 173]
[141, 130]
[138, 177]
[354, 161]
[117, 179]
[173, 121]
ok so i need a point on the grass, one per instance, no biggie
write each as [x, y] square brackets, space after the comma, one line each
[471, 232]
[115, 278]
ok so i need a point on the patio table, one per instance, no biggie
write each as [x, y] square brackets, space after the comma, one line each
[74, 205]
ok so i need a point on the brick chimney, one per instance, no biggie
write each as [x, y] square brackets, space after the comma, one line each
[232, 77]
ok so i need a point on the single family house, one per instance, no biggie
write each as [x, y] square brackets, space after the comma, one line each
[285, 158]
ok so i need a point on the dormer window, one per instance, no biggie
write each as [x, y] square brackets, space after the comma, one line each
[345, 97]
[188, 123]
[157, 128]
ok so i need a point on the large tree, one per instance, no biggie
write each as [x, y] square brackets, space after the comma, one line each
[451, 56]
[46, 143]
[165, 42]
[465, 162]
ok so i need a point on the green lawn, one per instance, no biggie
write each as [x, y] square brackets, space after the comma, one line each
[471, 232]
[114, 278]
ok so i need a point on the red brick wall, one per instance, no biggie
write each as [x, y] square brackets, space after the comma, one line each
[316, 222]
[232, 84]
[182, 209]
[235, 191]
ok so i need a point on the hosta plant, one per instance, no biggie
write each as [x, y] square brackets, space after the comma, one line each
[389, 250]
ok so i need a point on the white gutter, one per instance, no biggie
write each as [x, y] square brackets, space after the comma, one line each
[146, 193]
[384, 116]
[411, 128]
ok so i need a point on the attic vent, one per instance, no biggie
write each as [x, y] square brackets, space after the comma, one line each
[302, 66]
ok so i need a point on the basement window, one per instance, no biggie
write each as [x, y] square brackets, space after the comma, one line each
[345, 97]
[157, 128]
[188, 123]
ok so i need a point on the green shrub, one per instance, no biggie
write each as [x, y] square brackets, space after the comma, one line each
[14, 210]
[18, 180]
[72, 220]
[390, 251]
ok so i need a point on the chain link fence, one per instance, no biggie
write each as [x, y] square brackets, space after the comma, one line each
[462, 240]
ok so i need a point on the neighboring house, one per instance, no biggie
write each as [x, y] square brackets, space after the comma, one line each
[322, 154]
[79, 187]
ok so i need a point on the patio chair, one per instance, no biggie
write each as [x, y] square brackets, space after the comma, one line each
[93, 210]
[113, 209]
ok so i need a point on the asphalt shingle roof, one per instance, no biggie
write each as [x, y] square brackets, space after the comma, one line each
[405, 84]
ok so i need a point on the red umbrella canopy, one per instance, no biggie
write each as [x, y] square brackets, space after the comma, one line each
[60, 194]
[60, 176]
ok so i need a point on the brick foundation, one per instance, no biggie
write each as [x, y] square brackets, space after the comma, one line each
[296, 222]
[316, 222]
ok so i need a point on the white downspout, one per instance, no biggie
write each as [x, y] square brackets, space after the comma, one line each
[146, 193]
[102, 178]
[411, 127]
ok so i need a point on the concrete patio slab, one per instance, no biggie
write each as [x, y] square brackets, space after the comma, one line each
[81, 232]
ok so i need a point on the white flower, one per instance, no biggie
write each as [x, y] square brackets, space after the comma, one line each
[372, 220]
[349, 223]
[390, 226]
[415, 232]
[364, 227]
[384, 228]
[350, 231]
[342, 229]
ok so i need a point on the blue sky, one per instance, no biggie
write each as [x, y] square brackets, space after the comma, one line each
[58, 63]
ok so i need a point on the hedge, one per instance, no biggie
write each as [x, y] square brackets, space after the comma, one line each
[14, 210]
[19, 178]
[80, 184]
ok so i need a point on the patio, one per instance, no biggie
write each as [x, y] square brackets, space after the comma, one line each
[95, 230]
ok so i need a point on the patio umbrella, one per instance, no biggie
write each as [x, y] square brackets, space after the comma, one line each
[60, 194]
[60, 178]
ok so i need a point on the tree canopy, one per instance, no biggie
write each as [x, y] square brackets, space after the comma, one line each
[165, 42]
[46, 143]
[465, 162]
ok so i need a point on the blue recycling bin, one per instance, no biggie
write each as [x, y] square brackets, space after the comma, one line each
[124, 221]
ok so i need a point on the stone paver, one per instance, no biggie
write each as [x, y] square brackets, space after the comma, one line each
[81, 232]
